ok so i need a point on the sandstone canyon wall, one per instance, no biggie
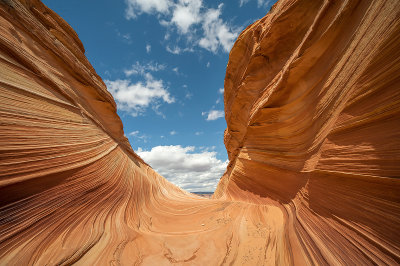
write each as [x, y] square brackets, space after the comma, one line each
[312, 103]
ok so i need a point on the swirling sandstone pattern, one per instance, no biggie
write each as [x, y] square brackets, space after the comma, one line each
[312, 104]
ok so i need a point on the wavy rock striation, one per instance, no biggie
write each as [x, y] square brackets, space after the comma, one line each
[312, 104]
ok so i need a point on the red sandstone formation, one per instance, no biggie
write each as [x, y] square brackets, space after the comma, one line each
[312, 98]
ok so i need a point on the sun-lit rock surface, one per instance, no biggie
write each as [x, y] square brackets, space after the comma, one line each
[312, 106]
[312, 103]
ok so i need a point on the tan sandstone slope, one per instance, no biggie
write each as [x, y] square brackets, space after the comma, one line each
[312, 103]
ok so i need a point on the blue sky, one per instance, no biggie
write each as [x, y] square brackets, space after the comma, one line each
[164, 61]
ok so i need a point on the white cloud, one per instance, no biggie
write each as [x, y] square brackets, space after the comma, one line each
[260, 3]
[185, 14]
[221, 90]
[242, 2]
[137, 7]
[184, 166]
[178, 50]
[137, 136]
[173, 132]
[148, 48]
[216, 32]
[142, 69]
[174, 50]
[188, 95]
[198, 133]
[263, 3]
[136, 97]
[213, 114]
[199, 25]
[176, 70]
[208, 64]
[203, 148]
[126, 37]
[134, 133]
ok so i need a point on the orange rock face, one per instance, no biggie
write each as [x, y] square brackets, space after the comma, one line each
[312, 98]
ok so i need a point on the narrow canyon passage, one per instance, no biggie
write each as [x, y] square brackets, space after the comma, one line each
[312, 103]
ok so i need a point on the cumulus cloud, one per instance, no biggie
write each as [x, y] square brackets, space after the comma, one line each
[148, 48]
[173, 132]
[221, 90]
[185, 14]
[186, 167]
[216, 32]
[213, 114]
[136, 97]
[201, 26]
